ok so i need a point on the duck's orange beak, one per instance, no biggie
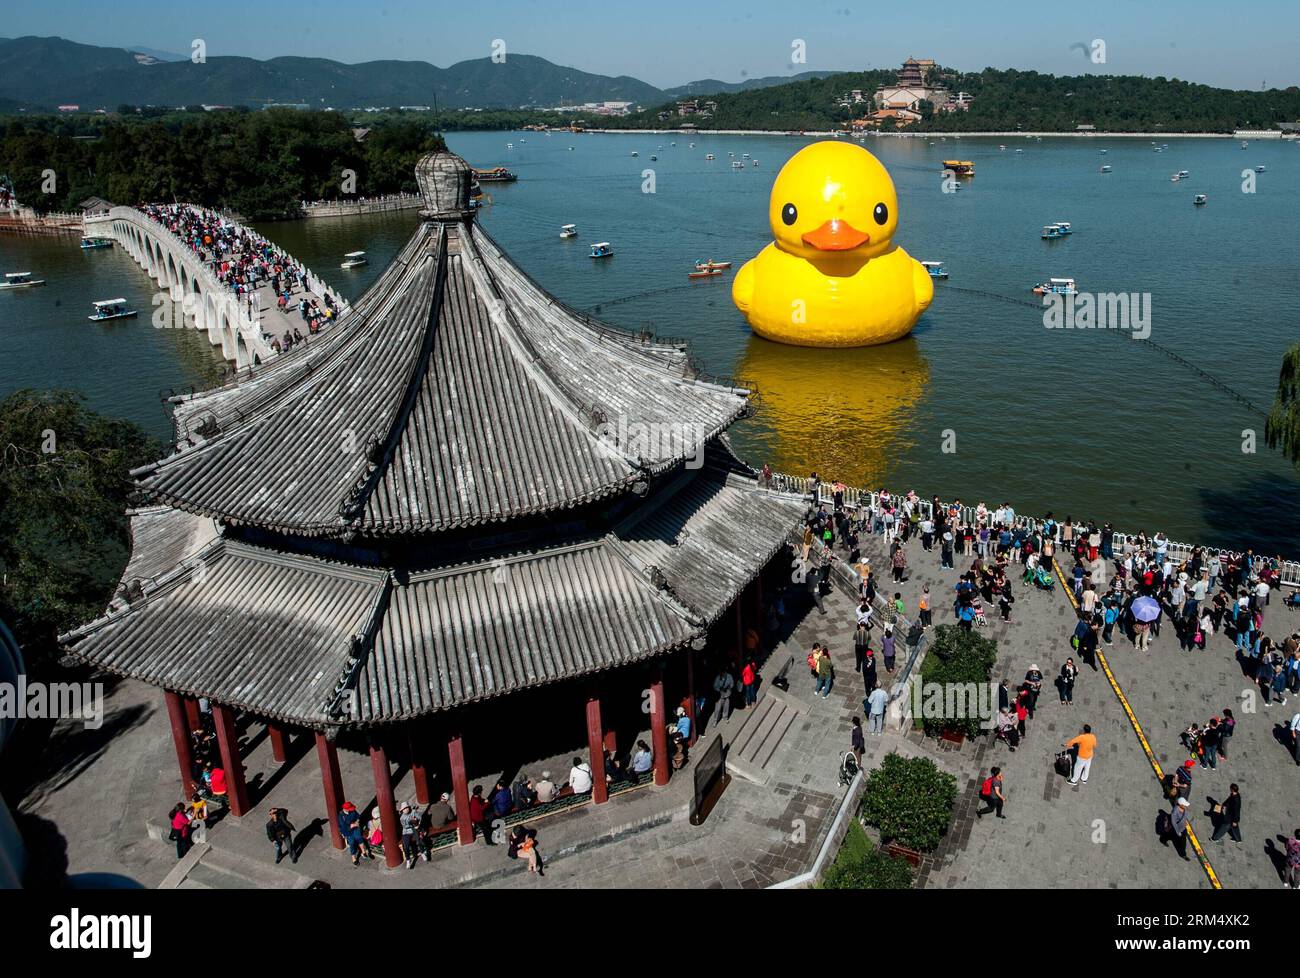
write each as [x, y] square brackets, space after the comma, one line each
[836, 235]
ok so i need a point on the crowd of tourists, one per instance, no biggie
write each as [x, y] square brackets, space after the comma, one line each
[1133, 587]
[244, 261]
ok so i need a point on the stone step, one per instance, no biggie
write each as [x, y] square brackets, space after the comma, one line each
[754, 746]
[750, 772]
[788, 718]
[183, 866]
[753, 720]
[749, 754]
[207, 867]
[790, 701]
[262, 875]
[205, 877]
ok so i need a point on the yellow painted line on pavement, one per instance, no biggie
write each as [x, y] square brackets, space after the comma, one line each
[1142, 738]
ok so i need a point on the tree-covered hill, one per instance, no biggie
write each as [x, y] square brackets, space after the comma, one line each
[260, 164]
[1004, 100]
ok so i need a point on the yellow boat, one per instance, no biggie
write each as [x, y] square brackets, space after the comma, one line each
[963, 168]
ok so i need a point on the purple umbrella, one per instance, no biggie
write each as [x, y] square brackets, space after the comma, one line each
[1146, 609]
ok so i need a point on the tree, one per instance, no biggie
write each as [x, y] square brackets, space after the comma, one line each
[910, 801]
[260, 164]
[64, 489]
[1282, 429]
[958, 661]
[861, 866]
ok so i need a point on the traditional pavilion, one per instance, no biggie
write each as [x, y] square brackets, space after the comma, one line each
[462, 491]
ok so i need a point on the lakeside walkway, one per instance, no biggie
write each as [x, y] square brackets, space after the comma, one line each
[361, 205]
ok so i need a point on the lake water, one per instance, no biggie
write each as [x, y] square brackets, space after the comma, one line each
[1091, 424]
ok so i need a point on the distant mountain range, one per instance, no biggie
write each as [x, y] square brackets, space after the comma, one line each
[711, 86]
[42, 73]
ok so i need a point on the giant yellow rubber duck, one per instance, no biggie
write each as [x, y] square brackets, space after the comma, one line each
[833, 276]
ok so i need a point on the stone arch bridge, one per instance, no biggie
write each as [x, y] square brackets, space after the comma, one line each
[206, 303]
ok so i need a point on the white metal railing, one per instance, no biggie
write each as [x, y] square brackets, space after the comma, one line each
[361, 205]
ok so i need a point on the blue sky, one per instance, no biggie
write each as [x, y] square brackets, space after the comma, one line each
[669, 42]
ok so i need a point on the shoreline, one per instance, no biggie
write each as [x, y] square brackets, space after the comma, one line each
[931, 135]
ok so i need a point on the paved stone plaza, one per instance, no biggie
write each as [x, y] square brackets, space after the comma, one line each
[1103, 833]
[1095, 835]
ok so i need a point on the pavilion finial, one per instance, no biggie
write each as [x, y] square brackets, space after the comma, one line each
[445, 181]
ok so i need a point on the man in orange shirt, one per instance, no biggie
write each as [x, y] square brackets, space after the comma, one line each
[1086, 745]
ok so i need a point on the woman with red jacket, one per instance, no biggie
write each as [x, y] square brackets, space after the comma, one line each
[180, 833]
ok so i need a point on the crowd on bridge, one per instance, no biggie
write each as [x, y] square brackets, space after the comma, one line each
[244, 261]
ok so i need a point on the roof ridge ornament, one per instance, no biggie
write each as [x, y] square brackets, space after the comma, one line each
[445, 182]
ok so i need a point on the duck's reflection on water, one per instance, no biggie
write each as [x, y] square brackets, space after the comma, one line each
[843, 413]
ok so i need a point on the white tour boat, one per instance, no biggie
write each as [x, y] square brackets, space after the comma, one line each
[20, 280]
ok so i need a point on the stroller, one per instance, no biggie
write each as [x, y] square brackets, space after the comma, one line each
[1040, 578]
[848, 767]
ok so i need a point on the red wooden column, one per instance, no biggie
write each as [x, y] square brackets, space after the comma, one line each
[690, 692]
[236, 788]
[279, 742]
[387, 804]
[181, 738]
[192, 715]
[659, 726]
[332, 781]
[419, 772]
[596, 748]
[460, 789]
[740, 630]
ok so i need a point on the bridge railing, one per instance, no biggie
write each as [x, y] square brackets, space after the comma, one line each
[315, 284]
[245, 324]
[368, 205]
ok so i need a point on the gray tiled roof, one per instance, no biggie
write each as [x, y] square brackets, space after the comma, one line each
[710, 537]
[255, 391]
[162, 537]
[456, 393]
[464, 634]
[319, 642]
[249, 627]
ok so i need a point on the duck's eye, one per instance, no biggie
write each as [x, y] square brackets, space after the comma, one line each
[788, 214]
[881, 214]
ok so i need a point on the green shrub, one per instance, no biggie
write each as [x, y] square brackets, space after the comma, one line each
[910, 801]
[959, 663]
[861, 866]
